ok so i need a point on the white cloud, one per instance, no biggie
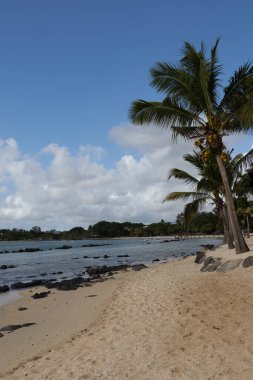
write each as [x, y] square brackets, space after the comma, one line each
[77, 189]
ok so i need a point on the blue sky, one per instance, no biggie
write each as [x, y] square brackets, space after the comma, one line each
[70, 69]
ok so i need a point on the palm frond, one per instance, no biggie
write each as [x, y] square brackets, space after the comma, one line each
[187, 133]
[215, 70]
[192, 208]
[182, 195]
[246, 160]
[165, 114]
[183, 175]
[173, 80]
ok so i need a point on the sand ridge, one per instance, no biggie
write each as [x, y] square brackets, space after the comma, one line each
[167, 322]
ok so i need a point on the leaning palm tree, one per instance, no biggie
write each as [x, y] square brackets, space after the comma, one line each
[205, 187]
[196, 106]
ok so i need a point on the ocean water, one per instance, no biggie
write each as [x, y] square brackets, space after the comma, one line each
[71, 262]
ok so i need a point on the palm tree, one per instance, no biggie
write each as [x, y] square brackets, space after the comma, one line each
[243, 187]
[196, 106]
[205, 187]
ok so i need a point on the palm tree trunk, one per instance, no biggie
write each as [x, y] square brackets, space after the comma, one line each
[240, 244]
[248, 229]
[227, 229]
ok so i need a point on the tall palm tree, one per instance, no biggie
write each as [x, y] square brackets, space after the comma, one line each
[205, 187]
[196, 106]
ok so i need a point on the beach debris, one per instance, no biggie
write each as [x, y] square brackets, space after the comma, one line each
[229, 265]
[4, 288]
[248, 262]
[11, 328]
[92, 295]
[40, 295]
[200, 257]
[22, 308]
[211, 264]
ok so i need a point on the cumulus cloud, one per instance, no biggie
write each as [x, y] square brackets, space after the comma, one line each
[77, 189]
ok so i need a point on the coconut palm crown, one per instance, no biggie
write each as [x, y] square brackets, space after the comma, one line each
[197, 106]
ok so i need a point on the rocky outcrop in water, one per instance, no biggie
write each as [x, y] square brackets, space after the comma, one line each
[4, 288]
[96, 270]
[22, 285]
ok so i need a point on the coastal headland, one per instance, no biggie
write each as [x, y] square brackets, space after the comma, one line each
[167, 321]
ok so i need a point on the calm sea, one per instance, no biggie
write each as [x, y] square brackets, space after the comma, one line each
[71, 262]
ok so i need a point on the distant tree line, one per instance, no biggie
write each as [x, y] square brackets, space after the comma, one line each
[199, 223]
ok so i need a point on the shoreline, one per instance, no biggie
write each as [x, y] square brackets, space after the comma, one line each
[167, 321]
[58, 318]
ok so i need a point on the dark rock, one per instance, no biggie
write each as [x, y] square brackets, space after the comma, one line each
[211, 264]
[229, 265]
[40, 295]
[64, 247]
[96, 257]
[43, 274]
[155, 260]
[7, 266]
[85, 257]
[248, 262]
[110, 274]
[1, 335]
[123, 256]
[4, 288]
[200, 257]
[22, 308]
[11, 328]
[138, 267]
[67, 285]
[23, 250]
[208, 246]
[20, 285]
[94, 245]
[92, 295]
[106, 256]
[95, 270]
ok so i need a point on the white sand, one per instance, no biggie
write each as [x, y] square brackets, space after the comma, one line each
[170, 321]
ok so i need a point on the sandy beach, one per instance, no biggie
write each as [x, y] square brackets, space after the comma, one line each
[169, 321]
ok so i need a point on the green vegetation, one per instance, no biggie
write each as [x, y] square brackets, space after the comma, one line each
[196, 106]
[200, 223]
